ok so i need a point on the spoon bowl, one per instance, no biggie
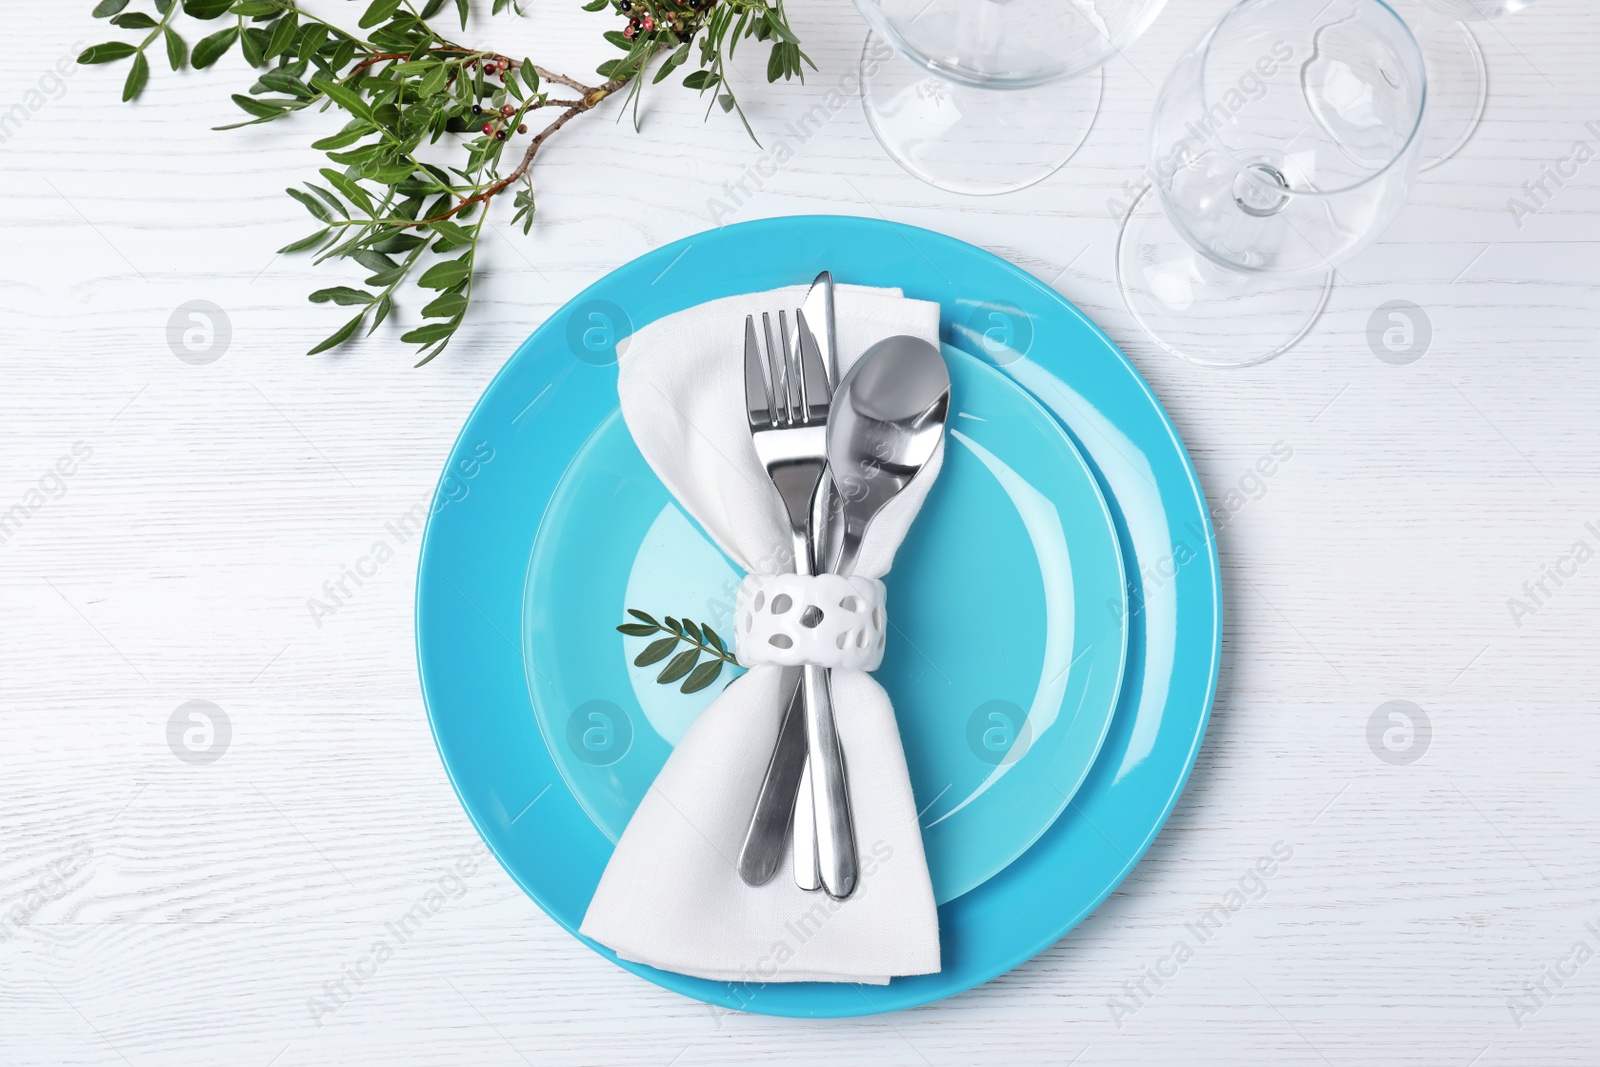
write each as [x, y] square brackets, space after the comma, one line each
[887, 419]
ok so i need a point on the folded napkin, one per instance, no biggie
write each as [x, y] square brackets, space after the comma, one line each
[671, 896]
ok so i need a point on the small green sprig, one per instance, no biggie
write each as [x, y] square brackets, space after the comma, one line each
[395, 202]
[702, 641]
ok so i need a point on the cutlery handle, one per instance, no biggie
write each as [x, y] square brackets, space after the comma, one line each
[806, 875]
[762, 852]
[830, 795]
[836, 839]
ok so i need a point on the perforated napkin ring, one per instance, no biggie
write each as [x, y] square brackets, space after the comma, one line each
[829, 620]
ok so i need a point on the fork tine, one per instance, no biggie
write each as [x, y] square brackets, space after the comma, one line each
[798, 409]
[779, 376]
[757, 388]
[812, 370]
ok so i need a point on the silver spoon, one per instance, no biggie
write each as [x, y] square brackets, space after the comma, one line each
[887, 418]
[886, 421]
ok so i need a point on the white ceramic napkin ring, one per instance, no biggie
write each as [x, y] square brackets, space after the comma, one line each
[830, 620]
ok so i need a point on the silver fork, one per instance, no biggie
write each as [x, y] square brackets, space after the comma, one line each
[786, 398]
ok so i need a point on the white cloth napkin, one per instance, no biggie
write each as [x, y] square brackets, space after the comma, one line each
[671, 896]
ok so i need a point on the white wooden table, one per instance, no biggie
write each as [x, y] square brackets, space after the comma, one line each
[162, 912]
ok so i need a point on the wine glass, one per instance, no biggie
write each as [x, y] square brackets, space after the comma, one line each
[1458, 80]
[988, 96]
[1282, 143]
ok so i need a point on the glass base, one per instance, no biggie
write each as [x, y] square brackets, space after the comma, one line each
[1458, 87]
[1202, 312]
[974, 141]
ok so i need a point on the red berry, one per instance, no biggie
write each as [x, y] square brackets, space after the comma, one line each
[488, 68]
[523, 128]
[648, 23]
[488, 128]
[499, 135]
[508, 110]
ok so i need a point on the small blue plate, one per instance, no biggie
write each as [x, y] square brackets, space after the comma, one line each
[1006, 600]
[506, 467]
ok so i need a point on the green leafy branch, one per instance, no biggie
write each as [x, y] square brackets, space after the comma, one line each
[394, 203]
[701, 640]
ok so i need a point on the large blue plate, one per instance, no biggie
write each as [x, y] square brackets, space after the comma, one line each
[476, 551]
[1007, 600]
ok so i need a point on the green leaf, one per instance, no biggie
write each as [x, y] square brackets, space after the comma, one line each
[254, 45]
[342, 95]
[206, 9]
[433, 8]
[106, 53]
[775, 63]
[398, 242]
[430, 353]
[387, 278]
[674, 625]
[426, 335]
[701, 676]
[461, 8]
[451, 232]
[250, 105]
[779, 27]
[312, 204]
[447, 274]
[343, 295]
[212, 48]
[701, 79]
[655, 650]
[137, 76]
[435, 82]
[329, 199]
[678, 666]
[691, 631]
[448, 306]
[339, 336]
[389, 172]
[339, 140]
[281, 81]
[352, 191]
[379, 11]
[342, 54]
[385, 305]
[672, 63]
[107, 8]
[282, 35]
[594, 5]
[305, 242]
[726, 101]
[643, 616]
[712, 639]
[636, 629]
[311, 41]
[177, 51]
[606, 69]
[373, 260]
[135, 20]
[617, 39]
[530, 75]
